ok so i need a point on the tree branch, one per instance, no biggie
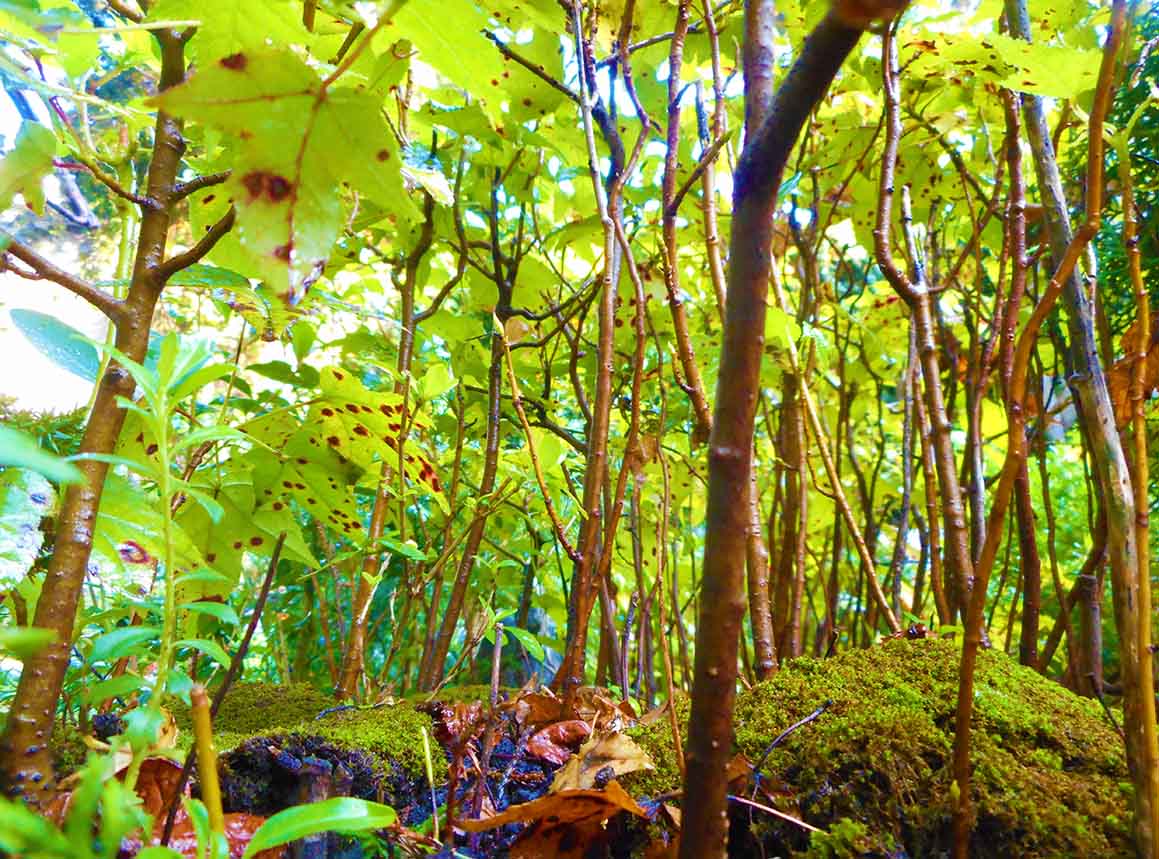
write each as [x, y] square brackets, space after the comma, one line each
[534, 68]
[126, 11]
[196, 253]
[83, 162]
[184, 189]
[42, 269]
[706, 160]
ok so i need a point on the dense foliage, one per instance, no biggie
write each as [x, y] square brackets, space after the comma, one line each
[415, 322]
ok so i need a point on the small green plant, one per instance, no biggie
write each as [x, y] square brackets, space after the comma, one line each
[100, 813]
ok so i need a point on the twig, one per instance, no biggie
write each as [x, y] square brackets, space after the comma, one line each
[706, 160]
[768, 809]
[496, 655]
[230, 674]
[126, 11]
[196, 253]
[536, 467]
[694, 27]
[785, 734]
[184, 189]
[42, 269]
[534, 68]
[85, 163]
[1098, 689]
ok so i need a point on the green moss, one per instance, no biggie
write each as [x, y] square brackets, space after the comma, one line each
[873, 771]
[466, 694]
[656, 740]
[1046, 771]
[391, 734]
[250, 708]
[68, 750]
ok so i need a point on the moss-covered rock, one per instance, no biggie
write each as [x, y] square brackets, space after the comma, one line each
[252, 707]
[381, 748]
[1050, 777]
[656, 739]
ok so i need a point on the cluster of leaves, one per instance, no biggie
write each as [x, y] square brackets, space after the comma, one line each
[412, 188]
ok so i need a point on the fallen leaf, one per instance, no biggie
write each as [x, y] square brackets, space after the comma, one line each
[563, 807]
[616, 752]
[540, 707]
[556, 743]
[239, 831]
[157, 784]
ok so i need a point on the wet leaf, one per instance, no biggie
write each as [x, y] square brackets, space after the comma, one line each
[615, 752]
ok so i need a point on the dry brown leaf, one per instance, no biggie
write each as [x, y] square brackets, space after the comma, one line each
[1120, 375]
[574, 841]
[539, 707]
[564, 807]
[157, 784]
[739, 770]
[239, 831]
[556, 743]
[616, 752]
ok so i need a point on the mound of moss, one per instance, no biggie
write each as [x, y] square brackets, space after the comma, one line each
[378, 750]
[252, 707]
[874, 770]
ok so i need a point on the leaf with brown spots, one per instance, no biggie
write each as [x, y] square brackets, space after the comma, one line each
[286, 179]
[366, 426]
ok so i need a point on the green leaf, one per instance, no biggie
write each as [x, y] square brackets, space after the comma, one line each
[22, 169]
[437, 380]
[210, 648]
[122, 641]
[529, 641]
[221, 611]
[344, 815]
[23, 642]
[129, 532]
[209, 434]
[60, 343]
[159, 853]
[25, 498]
[228, 26]
[452, 42]
[114, 687]
[286, 182]
[23, 832]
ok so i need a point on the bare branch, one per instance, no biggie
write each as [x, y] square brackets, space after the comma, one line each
[42, 269]
[184, 189]
[196, 253]
[534, 68]
[706, 160]
[126, 11]
[86, 163]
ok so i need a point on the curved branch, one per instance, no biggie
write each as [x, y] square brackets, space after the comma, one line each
[198, 252]
[184, 189]
[42, 269]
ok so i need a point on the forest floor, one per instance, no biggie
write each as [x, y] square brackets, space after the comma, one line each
[839, 757]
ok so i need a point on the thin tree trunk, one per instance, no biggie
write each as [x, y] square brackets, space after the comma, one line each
[1110, 463]
[25, 760]
[755, 185]
[914, 291]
